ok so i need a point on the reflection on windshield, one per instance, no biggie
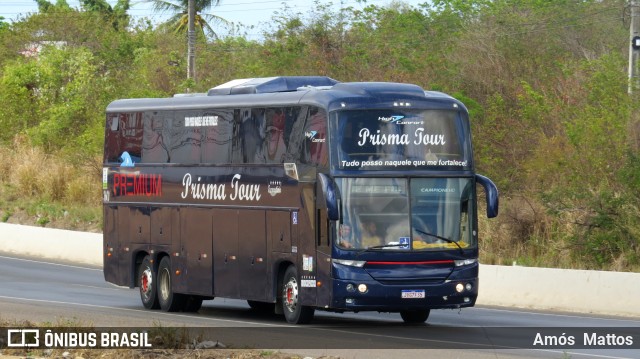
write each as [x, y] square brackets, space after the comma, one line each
[395, 214]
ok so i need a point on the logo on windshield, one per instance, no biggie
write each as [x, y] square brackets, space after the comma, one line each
[391, 119]
[312, 136]
[398, 120]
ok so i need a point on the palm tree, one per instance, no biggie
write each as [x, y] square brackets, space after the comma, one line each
[180, 20]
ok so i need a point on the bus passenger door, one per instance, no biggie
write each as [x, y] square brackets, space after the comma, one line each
[323, 293]
[196, 240]
[252, 253]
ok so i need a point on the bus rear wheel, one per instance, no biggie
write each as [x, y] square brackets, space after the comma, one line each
[146, 282]
[169, 301]
[294, 312]
[415, 316]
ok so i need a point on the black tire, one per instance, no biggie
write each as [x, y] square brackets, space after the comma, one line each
[192, 304]
[261, 307]
[146, 281]
[415, 316]
[294, 312]
[169, 301]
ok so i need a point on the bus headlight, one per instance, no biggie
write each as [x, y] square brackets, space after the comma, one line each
[362, 288]
[459, 287]
[349, 262]
[351, 288]
[464, 262]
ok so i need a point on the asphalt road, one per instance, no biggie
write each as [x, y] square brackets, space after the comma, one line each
[42, 292]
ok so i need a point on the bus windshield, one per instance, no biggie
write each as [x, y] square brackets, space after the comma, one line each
[400, 138]
[416, 214]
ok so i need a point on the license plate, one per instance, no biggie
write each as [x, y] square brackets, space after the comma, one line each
[411, 294]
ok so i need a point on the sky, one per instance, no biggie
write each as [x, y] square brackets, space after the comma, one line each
[255, 13]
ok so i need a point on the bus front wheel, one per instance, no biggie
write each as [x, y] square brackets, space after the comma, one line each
[146, 282]
[169, 301]
[294, 312]
[415, 316]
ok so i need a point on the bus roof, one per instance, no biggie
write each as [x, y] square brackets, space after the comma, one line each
[318, 91]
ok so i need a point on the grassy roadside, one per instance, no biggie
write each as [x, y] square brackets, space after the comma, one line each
[50, 191]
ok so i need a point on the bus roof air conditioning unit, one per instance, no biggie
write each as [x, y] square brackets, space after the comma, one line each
[270, 85]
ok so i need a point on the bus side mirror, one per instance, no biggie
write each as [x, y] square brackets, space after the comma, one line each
[492, 195]
[330, 193]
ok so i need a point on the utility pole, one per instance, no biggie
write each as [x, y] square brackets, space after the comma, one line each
[634, 46]
[191, 42]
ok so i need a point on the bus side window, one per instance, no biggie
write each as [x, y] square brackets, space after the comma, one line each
[127, 137]
[216, 146]
[294, 133]
[273, 147]
[186, 138]
[237, 141]
[315, 152]
[251, 133]
[154, 148]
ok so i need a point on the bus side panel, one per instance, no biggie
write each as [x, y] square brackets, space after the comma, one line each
[279, 229]
[252, 256]
[197, 228]
[304, 238]
[110, 245]
[177, 253]
[161, 226]
[122, 253]
[139, 240]
[140, 226]
[225, 252]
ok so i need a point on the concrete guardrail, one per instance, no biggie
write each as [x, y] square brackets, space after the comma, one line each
[581, 291]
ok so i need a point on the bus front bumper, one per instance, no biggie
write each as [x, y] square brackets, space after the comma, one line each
[348, 295]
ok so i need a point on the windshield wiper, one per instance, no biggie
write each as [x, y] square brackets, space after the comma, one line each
[441, 238]
[382, 247]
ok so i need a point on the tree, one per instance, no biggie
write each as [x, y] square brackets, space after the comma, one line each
[3, 24]
[46, 6]
[180, 20]
[117, 14]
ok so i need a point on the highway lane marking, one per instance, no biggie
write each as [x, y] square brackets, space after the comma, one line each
[576, 316]
[96, 287]
[55, 264]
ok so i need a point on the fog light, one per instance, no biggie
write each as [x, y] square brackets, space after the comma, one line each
[459, 287]
[468, 286]
[350, 287]
[467, 300]
[349, 300]
[362, 288]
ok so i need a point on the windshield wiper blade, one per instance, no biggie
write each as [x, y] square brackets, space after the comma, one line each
[441, 238]
[382, 246]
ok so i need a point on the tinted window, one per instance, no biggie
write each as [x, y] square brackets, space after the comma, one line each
[124, 134]
[156, 140]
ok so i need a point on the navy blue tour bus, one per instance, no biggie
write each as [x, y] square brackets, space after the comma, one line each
[295, 194]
